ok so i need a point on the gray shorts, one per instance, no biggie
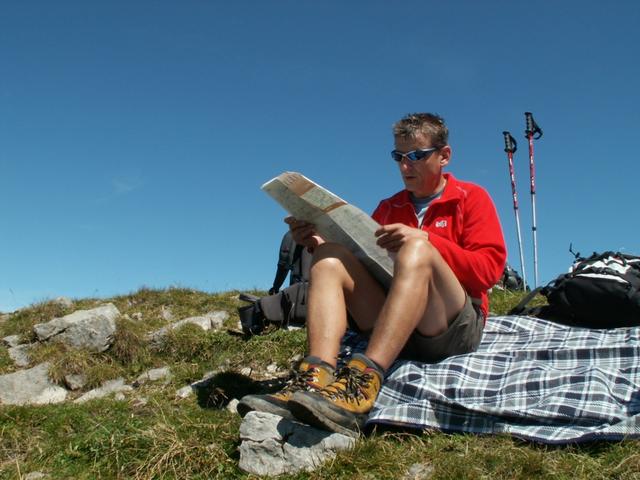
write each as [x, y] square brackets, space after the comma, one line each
[462, 336]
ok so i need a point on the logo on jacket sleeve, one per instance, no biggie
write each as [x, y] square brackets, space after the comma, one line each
[441, 224]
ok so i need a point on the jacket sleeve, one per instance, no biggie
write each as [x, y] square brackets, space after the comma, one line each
[479, 257]
[380, 213]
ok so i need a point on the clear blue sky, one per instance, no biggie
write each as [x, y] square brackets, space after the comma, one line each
[135, 135]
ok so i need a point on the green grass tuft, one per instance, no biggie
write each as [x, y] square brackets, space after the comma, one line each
[129, 346]
[6, 364]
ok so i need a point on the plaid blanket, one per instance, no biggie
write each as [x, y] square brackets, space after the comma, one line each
[530, 378]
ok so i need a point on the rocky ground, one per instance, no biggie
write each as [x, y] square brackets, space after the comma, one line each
[40, 373]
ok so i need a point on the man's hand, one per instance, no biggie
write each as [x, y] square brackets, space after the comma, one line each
[304, 233]
[391, 237]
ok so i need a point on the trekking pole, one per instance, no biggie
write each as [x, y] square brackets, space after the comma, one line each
[532, 132]
[510, 146]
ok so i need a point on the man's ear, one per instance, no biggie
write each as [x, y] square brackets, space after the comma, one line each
[445, 155]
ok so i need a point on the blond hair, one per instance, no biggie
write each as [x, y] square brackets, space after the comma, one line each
[428, 124]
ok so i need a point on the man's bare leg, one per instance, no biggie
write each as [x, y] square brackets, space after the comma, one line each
[425, 295]
[339, 282]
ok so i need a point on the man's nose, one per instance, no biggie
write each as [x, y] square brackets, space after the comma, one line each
[405, 162]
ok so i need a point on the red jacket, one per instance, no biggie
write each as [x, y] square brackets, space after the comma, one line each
[463, 225]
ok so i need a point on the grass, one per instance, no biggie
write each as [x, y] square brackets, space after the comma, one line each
[153, 435]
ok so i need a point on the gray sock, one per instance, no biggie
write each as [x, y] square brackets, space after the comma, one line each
[318, 361]
[369, 363]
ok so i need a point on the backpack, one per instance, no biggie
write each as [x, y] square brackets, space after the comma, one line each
[280, 307]
[293, 260]
[511, 279]
[601, 291]
[300, 265]
[289, 306]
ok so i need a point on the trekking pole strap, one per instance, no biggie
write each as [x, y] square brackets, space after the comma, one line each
[510, 144]
[532, 129]
[520, 307]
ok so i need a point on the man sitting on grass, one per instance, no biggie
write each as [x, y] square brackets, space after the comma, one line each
[449, 250]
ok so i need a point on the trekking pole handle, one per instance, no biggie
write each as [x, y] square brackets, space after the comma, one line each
[532, 126]
[510, 144]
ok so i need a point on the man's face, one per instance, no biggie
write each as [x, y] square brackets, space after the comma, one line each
[422, 177]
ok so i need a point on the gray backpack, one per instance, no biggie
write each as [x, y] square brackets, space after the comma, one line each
[287, 307]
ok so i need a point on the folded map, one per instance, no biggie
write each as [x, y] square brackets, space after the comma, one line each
[335, 220]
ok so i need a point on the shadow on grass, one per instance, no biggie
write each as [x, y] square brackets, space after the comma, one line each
[217, 391]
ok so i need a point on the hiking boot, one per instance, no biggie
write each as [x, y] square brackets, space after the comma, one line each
[343, 405]
[312, 375]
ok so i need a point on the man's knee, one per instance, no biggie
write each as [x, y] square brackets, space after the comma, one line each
[417, 254]
[329, 257]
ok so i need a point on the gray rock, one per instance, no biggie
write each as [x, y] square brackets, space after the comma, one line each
[91, 329]
[5, 316]
[107, 388]
[209, 321]
[75, 381]
[296, 358]
[166, 313]
[12, 340]
[218, 318]
[139, 402]
[232, 406]
[35, 476]
[209, 375]
[153, 375]
[419, 471]
[20, 355]
[64, 302]
[30, 387]
[184, 392]
[272, 445]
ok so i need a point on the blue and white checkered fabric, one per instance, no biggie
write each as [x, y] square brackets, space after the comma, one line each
[530, 378]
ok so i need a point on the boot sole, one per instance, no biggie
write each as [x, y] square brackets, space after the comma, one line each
[317, 412]
[252, 403]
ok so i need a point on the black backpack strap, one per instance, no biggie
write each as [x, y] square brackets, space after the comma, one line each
[297, 253]
[296, 265]
[295, 302]
[521, 308]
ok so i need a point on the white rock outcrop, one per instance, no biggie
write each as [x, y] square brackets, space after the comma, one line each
[153, 375]
[12, 340]
[20, 355]
[272, 445]
[30, 387]
[107, 388]
[209, 321]
[91, 329]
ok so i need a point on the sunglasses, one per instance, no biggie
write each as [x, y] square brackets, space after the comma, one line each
[414, 155]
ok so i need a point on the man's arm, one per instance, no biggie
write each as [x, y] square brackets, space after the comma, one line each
[478, 261]
[304, 233]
